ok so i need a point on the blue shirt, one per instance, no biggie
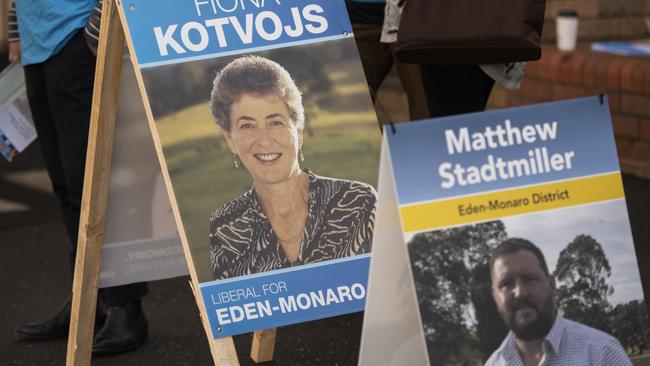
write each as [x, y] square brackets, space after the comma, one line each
[567, 344]
[45, 26]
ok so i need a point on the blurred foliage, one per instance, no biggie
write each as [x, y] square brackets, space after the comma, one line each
[582, 270]
[629, 323]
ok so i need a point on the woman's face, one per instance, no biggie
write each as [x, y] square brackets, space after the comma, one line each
[265, 138]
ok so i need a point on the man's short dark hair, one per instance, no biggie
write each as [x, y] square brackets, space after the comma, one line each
[513, 245]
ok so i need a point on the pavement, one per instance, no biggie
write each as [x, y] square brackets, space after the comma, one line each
[35, 281]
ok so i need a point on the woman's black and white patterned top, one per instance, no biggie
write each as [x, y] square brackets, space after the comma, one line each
[340, 221]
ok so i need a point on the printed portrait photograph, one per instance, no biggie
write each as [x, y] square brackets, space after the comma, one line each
[273, 156]
[565, 276]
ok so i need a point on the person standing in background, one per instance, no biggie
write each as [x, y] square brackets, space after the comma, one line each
[377, 58]
[56, 42]
[454, 89]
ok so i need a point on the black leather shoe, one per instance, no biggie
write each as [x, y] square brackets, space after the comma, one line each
[58, 325]
[125, 330]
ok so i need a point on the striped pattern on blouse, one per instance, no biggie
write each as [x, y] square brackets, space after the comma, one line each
[339, 223]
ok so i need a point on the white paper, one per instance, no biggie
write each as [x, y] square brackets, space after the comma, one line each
[16, 124]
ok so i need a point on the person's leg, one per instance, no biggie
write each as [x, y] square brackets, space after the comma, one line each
[48, 139]
[70, 78]
[376, 57]
[411, 79]
[455, 89]
[36, 86]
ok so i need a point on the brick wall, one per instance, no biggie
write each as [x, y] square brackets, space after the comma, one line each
[583, 73]
[602, 19]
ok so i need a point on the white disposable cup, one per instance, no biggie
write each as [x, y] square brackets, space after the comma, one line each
[566, 27]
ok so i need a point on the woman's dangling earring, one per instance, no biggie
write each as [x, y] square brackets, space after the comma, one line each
[236, 161]
[302, 157]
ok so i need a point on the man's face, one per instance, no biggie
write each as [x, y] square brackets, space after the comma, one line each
[524, 294]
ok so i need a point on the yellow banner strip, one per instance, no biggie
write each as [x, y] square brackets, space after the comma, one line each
[455, 211]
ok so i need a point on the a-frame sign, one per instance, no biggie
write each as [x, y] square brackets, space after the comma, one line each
[328, 276]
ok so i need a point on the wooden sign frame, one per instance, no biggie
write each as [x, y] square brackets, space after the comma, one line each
[94, 204]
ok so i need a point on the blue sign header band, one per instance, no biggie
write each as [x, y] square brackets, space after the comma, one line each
[294, 295]
[197, 29]
[500, 149]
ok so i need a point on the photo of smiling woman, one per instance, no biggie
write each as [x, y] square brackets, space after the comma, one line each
[290, 216]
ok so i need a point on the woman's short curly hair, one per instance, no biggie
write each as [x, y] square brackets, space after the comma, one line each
[257, 76]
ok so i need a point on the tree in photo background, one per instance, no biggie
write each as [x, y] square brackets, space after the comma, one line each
[582, 271]
[452, 278]
[629, 324]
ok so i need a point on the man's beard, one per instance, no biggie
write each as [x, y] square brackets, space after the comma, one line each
[536, 329]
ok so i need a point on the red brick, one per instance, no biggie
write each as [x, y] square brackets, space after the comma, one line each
[533, 68]
[563, 72]
[551, 69]
[563, 91]
[614, 102]
[624, 147]
[641, 151]
[638, 77]
[601, 71]
[612, 96]
[627, 69]
[638, 105]
[628, 166]
[646, 79]
[644, 129]
[640, 169]
[513, 100]
[613, 75]
[625, 126]
[644, 172]
[536, 89]
[620, 7]
[637, 168]
[519, 100]
[575, 67]
[589, 71]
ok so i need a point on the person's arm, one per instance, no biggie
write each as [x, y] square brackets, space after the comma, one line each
[91, 31]
[14, 37]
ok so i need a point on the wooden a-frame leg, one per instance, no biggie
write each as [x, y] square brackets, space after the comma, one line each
[95, 189]
[263, 345]
[223, 349]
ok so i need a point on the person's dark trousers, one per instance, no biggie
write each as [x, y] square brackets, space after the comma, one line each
[59, 91]
[455, 89]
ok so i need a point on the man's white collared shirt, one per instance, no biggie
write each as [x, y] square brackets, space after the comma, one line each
[567, 343]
